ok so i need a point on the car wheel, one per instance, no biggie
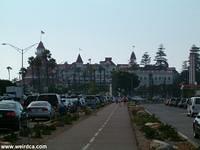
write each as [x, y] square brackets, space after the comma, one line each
[195, 134]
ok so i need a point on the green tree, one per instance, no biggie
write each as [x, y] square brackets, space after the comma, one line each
[124, 82]
[31, 64]
[146, 59]
[160, 57]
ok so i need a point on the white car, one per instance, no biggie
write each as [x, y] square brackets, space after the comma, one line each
[40, 109]
[193, 106]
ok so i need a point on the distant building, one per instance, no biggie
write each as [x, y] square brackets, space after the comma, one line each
[79, 73]
[150, 74]
[192, 64]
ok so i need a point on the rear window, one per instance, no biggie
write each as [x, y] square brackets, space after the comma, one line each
[52, 99]
[31, 98]
[7, 106]
[39, 104]
[197, 101]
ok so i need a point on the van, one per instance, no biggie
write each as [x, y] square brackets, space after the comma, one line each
[193, 106]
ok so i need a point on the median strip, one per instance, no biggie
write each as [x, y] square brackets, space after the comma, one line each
[152, 134]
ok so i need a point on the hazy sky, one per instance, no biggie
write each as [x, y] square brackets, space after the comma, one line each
[101, 28]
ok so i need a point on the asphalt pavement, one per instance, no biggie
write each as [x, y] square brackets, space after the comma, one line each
[108, 129]
[177, 117]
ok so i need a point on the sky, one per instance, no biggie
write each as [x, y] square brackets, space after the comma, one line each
[100, 28]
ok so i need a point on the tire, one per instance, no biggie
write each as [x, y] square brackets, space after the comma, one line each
[192, 114]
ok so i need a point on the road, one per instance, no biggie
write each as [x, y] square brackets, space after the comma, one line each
[108, 129]
[176, 117]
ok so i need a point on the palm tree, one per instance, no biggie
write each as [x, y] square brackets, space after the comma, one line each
[31, 63]
[46, 57]
[9, 68]
[51, 65]
[38, 63]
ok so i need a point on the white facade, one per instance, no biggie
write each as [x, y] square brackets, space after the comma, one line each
[155, 77]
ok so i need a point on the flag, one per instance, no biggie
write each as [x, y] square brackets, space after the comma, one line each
[42, 32]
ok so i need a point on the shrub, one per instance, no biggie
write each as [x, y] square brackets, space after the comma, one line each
[167, 132]
[75, 116]
[141, 119]
[67, 119]
[88, 111]
[11, 137]
[25, 132]
[150, 133]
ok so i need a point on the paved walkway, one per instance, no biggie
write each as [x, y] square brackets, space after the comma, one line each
[109, 129]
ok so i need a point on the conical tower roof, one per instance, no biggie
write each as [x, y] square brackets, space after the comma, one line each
[40, 45]
[133, 57]
[79, 59]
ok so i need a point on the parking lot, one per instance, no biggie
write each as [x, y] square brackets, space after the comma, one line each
[175, 116]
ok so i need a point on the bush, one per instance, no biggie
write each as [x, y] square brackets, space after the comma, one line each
[67, 119]
[11, 137]
[150, 133]
[167, 132]
[75, 116]
[164, 132]
[36, 131]
[25, 132]
[141, 119]
[88, 111]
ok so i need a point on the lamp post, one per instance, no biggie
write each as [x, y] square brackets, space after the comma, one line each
[21, 51]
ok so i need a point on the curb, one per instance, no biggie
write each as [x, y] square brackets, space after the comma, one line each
[187, 139]
[181, 134]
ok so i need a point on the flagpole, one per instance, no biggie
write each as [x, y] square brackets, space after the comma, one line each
[42, 32]
[40, 36]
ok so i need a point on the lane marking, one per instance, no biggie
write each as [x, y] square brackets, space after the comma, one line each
[99, 130]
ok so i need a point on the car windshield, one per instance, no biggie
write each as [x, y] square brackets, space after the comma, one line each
[7, 106]
[31, 98]
[52, 99]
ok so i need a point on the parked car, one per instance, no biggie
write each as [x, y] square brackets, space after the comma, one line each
[196, 126]
[91, 101]
[12, 115]
[182, 103]
[40, 109]
[167, 101]
[68, 104]
[54, 100]
[29, 99]
[193, 106]
[173, 102]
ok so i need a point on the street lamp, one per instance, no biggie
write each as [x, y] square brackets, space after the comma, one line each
[21, 51]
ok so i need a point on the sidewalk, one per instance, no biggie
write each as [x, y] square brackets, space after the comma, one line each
[109, 129]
